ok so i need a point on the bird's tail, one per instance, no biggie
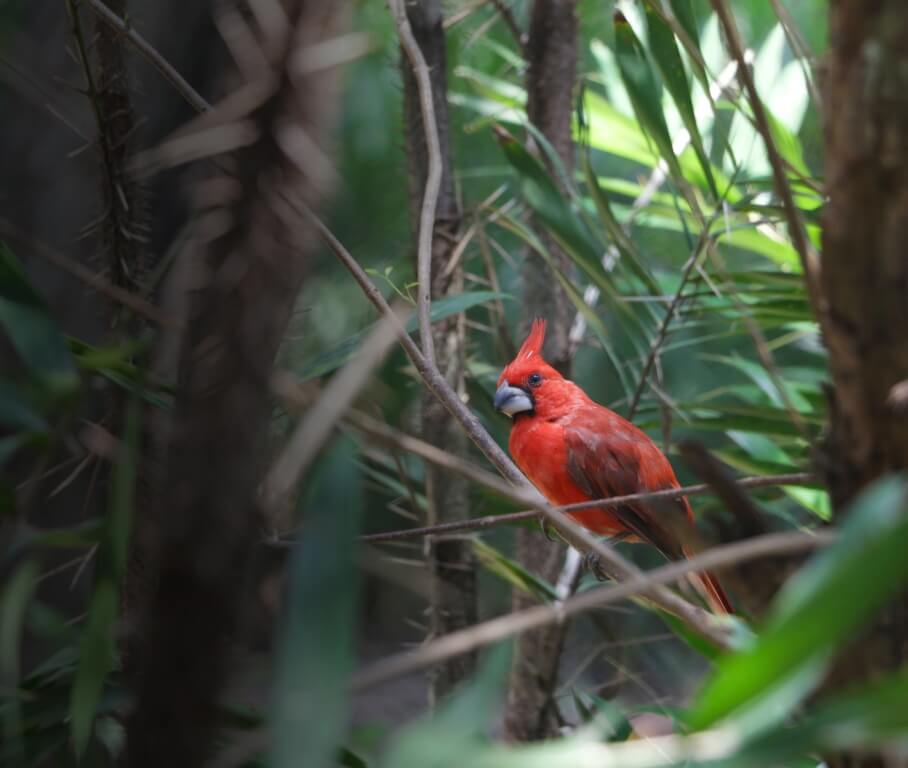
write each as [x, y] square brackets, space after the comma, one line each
[711, 590]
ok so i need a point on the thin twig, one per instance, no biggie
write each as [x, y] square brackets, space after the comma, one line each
[502, 627]
[507, 16]
[494, 521]
[808, 256]
[191, 96]
[316, 425]
[92, 279]
[666, 321]
[433, 177]
[488, 480]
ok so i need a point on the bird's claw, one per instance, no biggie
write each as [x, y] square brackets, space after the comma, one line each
[592, 565]
[548, 530]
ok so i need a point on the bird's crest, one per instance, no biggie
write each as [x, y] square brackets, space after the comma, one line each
[533, 344]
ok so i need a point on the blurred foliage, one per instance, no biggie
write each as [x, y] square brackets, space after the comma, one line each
[690, 292]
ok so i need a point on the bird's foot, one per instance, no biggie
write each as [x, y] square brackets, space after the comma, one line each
[592, 564]
[548, 530]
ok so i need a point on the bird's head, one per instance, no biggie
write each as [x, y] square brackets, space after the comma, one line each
[528, 384]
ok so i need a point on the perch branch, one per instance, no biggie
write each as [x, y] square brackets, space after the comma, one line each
[500, 628]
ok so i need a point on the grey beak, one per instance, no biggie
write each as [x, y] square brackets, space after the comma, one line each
[512, 400]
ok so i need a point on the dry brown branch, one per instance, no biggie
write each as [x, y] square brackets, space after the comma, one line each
[123, 222]
[450, 560]
[507, 16]
[192, 97]
[659, 338]
[433, 176]
[493, 521]
[502, 627]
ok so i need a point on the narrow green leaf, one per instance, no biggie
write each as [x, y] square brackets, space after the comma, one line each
[315, 654]
[668, 60]
[28, 324]
[14, 601]
[98, 645]
[822, 606]
[457, 731]
[643, 90]
[512, 572]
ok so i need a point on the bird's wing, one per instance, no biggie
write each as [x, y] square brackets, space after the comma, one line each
[608, 456]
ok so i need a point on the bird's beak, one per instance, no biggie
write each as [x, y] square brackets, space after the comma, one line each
[512, 400]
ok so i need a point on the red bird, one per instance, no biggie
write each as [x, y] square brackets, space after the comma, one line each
[573, 449]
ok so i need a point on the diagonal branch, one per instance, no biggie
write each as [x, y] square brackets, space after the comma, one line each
[512, 624]
[192, 97]
[809, 258]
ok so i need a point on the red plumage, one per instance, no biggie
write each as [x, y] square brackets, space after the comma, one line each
[573, 449]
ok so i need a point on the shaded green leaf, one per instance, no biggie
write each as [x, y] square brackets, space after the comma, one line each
[28, 324]
[98, 645]
[315, 653]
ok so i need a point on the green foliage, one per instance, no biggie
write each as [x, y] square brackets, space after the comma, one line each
[98, 644]
[316, 646]
[670, 171]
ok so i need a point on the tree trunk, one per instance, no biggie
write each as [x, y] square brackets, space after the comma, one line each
[450, 558]
[552, 62]
[865, 282]
[248, 267]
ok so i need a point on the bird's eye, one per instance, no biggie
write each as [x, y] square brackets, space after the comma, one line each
[534, 379]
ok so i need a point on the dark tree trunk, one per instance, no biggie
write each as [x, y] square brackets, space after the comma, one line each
[551, 52]
[247, 268]
[865, 282]
[450, 558]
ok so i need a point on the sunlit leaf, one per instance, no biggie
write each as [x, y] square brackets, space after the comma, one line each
[817, 610]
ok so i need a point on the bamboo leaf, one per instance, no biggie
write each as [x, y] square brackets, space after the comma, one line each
[33, 332]
[98, 647]
[643, 90]
[315, 654]
[816, 611]
[668, 60]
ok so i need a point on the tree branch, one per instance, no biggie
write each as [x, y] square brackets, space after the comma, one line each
[433, 177]
[191, 96]
[503, 627]
[797, 231]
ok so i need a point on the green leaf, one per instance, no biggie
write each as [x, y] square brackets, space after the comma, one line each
[334, 358]
[643, 90]
[32, 330]
[16, 412]
[315, 653]
[563, 224]
[14, 601]
[822, 606]
[455, 732]
[512, 572]
[668, 60]
[98, 645]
